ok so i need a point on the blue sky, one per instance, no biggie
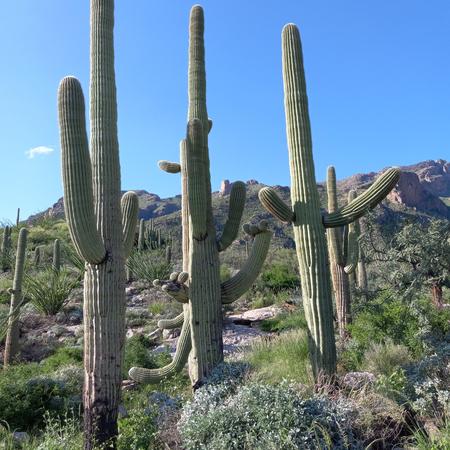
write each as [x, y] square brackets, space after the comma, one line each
[378, 75]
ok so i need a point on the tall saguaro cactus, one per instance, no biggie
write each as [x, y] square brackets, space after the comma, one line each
[56, 264]
[305, 215]
[199, 286]
[12, 336]
[343, 253]
[101, 226]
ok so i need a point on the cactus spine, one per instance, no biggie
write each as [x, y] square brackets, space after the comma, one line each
[305, 214]
[343, 254]
[199, 287]
[12, 336]
[99, 228]
[56, 255]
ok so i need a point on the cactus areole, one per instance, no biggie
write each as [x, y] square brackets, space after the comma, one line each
[305, 215]
[99, 225]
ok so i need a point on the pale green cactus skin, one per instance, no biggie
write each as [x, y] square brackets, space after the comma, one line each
[199, 287]
[141, 237]
[37, 256]
[96, 222]
[343, 254]
[305, 215]
[12, 336]
[56, 255]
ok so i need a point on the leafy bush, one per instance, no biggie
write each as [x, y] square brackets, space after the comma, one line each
[137, 353]
[149, 266]
[285, 321]
[385, 358]
[64, 356]
[262, 416]
[26, 394]
[138, 431]
[283, 357]
[279, 277]
[49, 290]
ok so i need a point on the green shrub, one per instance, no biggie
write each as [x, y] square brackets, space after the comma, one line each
[438, 441]
[137, 353]
[393, 386]
[26, 394]
[138, 431]
[385, 358]
[282, 357]
[279, 277]
[63, 356]
[49, 290]
[257, 416]
[285, 321]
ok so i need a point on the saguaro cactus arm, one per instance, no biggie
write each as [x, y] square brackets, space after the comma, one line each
[130, 211]
[334, 234]
[352, 251]
[236, 208]
[170, 324]
[273, 203]
[169, 167]
[364, 202]
[197, 185]
[237, 285]
[184, 346]
[77, 172]
[175, 286]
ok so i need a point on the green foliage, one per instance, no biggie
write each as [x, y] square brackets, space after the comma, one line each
[157, 308]
[385, 358]
[49, 290]
[393, 386]
[138, 431]
[26, 394]
[285, 321]
[64, 356]
[5, 284]
[138, 354]
[282, 357]
[438, 441]
[225, 416]
[149, 266]
[279, 277]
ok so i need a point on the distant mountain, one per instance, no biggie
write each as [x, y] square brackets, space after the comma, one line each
[423, 189]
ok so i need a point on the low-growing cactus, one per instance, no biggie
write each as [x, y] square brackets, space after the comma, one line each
[198, 287]
[12, 336]
[305, 214]
[101, 225]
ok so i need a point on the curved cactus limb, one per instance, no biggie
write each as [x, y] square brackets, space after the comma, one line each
[170, 324]
[130, 211]
[273, 203]
[237, 285]
[142, 375]
[364, 202]
[236, 208]
[77, 173]
[175, 286]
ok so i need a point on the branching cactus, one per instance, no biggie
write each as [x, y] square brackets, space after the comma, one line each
[305, 214]
[56, 255]
[12, 336]
[343, 250]
[198, 287]
[101, 225]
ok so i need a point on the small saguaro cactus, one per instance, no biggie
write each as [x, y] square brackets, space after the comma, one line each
[305, 214]
[141, 237]
[56, 255]
[101, 225]
[18, 217]
[38, 256]
[343, 254]
[168, 254]
[198, 287]
[5, 260]
[12, 336]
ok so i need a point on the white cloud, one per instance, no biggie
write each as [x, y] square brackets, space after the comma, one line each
[41, 150]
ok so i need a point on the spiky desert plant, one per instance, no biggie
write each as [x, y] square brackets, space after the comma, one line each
[198, 287]
[56, 255]
[5, 260]
[305, 214]
[343, 252]
[12, 336]
[102, 227]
